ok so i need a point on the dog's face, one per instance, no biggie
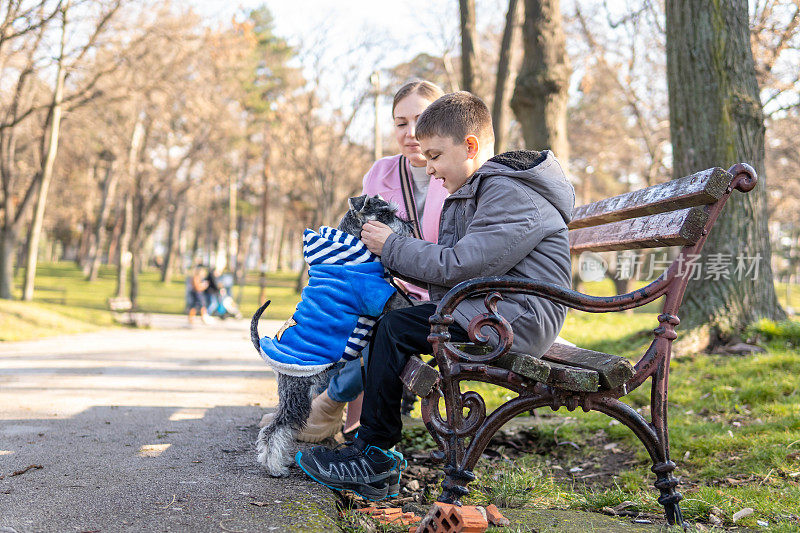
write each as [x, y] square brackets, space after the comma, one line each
[365, 208]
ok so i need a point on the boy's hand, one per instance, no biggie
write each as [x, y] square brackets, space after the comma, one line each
[374, 235]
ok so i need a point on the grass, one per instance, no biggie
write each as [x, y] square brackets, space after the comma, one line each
[64, 302]
[734, 421]
[734, 432]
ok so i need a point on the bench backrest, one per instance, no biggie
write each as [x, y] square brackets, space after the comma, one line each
[674, 213]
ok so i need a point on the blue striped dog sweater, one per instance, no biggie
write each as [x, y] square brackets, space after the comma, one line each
[347, 290]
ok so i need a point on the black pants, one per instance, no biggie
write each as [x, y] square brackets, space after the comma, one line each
[397, 336]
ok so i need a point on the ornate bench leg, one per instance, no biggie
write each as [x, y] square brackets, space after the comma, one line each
[670, 497]
[454, 485]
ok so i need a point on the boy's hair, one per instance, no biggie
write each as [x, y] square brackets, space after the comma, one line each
[456, 115]
[424, 88]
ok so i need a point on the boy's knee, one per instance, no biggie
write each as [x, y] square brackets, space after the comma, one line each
[392, 321]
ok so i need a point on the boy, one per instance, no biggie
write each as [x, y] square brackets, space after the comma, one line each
[506, 215]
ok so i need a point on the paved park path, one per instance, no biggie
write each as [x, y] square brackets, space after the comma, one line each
[144, 430]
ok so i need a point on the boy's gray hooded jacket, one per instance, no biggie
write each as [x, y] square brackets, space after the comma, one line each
[509, 219]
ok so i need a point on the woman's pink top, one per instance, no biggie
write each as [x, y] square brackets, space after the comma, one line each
[384, 179]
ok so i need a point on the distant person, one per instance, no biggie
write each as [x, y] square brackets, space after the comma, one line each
[400, 179]
[212, 292]
[196, 285]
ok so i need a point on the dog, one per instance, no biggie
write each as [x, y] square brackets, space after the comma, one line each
[295, 393]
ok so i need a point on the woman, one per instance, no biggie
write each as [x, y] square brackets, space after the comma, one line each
[401, 179]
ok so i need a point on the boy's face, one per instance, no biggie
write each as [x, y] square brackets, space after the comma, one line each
[451, 162]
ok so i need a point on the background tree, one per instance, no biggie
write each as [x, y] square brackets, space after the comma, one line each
[540, 94]
[504, 67]
[469, 44]
[30, 116]
[783, 163]
[716, 119]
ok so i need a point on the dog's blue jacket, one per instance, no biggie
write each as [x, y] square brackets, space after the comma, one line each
[347, 289]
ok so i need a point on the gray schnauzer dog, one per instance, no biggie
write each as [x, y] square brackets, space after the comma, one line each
[275, 441]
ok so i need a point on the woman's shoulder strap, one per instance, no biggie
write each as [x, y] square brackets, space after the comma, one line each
[408, 196]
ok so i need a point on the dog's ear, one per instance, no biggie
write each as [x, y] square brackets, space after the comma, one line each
[356, 203]
[376, 203]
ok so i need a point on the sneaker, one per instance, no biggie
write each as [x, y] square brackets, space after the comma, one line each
[358, 467]
[394, 478]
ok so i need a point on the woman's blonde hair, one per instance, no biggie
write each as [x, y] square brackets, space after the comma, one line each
[424, 88]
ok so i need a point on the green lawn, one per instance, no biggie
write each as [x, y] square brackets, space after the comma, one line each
[734, 421]
[64, 302]
[734, 433]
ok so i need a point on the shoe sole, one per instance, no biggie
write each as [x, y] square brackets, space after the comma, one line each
[373, 497]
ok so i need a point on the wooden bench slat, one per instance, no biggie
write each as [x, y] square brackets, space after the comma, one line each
[573, 378]
[677, 228]
[702, 188]
[525, 365]
[613, 370]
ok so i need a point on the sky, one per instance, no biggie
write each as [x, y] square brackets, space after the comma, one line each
[405, 26]
[398, 31]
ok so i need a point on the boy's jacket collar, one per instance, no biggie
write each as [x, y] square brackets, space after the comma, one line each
[516, 160]
[540, 171]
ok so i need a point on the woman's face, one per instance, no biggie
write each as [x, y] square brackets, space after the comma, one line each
[406, 113]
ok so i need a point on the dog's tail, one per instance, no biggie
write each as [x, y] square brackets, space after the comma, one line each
[254, 336]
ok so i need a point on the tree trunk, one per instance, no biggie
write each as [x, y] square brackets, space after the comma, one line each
[124, 256]
[113, 241]
[86, 262]
[243, 246]
[9, 239]
[137, 258]
[109, 190]
[47, 168]
[277, 242]
[540, 94]
[173, 236]
[262, 249]
[499, 112]
[84, 247]
[716, 120]
[281, 238]
[232, 240]
[469, 43]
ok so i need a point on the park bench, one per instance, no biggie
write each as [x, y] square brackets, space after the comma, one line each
[124, 313]
[677, 213]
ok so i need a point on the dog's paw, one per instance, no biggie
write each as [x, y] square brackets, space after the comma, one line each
[274, 466]
[273, 447]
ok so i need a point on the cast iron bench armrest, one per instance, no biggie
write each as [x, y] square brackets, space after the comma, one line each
[492, 287]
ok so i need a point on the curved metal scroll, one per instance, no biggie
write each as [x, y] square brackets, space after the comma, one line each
[469, 400]
[493, 319]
